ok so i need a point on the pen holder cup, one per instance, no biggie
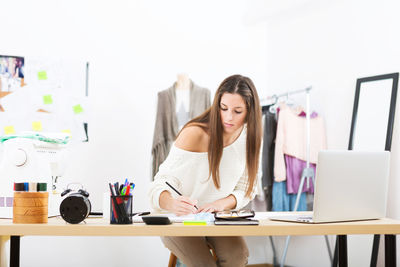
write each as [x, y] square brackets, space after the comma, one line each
[30, 207]
[120, 209]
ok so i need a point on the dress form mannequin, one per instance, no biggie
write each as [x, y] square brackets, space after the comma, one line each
[167, 123]
[183, 82]
[182, 92]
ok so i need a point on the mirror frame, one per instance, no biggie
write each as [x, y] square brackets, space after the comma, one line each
[389, 132]
[388, 143]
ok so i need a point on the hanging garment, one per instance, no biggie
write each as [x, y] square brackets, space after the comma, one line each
[166, 125]
[291, 139]
[268, 151]
[282, 201]
[294, 170]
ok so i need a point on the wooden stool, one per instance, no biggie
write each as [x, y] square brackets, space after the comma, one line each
[173, 258]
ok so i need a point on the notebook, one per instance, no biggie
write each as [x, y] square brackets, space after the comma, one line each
[349, 186]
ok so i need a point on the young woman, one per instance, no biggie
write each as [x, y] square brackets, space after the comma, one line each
[214, 164]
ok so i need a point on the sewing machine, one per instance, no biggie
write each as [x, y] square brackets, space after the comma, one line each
[30, 160]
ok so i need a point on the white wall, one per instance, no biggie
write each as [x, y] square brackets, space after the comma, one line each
[136, 48]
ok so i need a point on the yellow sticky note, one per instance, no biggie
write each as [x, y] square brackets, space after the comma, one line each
[194, 223]
[9, 129]
[42, 75]
[67, 131]
[77, 109]
[37, 126]
[47, 99]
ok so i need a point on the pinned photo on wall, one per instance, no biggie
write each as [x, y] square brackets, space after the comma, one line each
[11, 73]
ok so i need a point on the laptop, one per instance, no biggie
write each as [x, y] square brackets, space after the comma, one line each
[349, 186]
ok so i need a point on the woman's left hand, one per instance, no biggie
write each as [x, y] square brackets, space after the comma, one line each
[211, 207]
[226, 203]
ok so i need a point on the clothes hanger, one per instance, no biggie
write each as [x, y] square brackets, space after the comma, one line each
[289, 101]
[274, 105]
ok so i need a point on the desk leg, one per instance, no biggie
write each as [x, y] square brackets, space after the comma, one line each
[335, 254]
[342, 250]
[375, 250]
[390, 250]
[14, 251]
[3, 256]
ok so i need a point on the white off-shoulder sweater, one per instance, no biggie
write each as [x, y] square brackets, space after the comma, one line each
[188, 173]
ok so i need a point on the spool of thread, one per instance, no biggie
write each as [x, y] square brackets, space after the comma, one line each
[32, 187]
[18, 186]
[30, 207]
[41, 187]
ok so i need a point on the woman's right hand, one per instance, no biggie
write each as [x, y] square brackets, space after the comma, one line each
[180, 206]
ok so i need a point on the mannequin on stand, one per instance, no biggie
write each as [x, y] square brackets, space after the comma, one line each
[176, 105]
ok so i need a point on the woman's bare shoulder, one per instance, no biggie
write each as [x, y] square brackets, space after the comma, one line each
[193, 138]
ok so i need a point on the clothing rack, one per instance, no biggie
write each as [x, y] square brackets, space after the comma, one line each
[307, 172]
[276, 97]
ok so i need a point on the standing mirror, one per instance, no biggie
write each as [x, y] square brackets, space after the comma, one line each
[372, 123]
[373, 113]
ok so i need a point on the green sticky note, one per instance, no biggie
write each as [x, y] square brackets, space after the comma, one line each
[42, 75]
[9, 129]
[47, 99]
[37, 126]
[77, 109]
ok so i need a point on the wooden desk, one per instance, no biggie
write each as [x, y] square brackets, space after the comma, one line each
[101, 227]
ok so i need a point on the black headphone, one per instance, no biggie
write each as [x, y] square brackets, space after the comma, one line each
[76, 206]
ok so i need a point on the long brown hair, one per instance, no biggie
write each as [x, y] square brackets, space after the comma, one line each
[210, 121]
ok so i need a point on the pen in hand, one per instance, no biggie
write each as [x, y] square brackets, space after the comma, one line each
[173, 188]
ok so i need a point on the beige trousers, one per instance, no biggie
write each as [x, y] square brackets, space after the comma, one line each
[194, 252]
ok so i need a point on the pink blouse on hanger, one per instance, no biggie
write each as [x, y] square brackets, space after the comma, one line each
[291, 139]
